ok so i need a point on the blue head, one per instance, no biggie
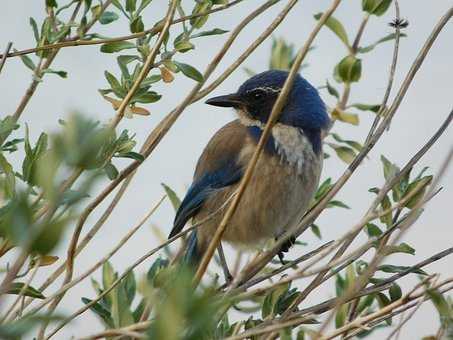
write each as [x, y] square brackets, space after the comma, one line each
[303, 109]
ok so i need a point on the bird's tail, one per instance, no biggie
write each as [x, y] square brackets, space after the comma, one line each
[193, 255]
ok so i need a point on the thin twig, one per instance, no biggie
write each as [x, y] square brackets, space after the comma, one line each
[22, 291]
[3, 59]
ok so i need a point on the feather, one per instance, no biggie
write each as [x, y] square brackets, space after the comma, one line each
[217, 168]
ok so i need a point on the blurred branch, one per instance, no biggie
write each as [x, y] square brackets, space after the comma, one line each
[119, 115]
[126, 272]
[65, 287]
[34, 270]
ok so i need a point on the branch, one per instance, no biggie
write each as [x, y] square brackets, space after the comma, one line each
[3, 60]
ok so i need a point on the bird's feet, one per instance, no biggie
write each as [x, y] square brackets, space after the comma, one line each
[284, 249]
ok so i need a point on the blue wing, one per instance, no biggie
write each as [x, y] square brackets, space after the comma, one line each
[218, 167]
[228, 173]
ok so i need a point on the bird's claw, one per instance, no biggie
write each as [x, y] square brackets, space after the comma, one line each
[285, 248]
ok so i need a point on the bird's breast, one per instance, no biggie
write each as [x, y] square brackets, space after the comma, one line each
[293, 147]
[280, 189]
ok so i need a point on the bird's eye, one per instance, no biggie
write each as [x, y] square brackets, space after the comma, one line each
[257, 94]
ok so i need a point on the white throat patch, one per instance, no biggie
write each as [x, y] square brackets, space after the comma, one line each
[291, 144]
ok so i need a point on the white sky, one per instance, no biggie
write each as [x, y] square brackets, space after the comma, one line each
[426, 105]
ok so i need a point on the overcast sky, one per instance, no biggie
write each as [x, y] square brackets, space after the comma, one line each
[426, 105]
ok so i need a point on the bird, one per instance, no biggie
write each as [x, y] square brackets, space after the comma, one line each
[285, 178]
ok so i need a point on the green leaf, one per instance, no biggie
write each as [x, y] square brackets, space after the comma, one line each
[148, 97]
[373, 230]
[174, 199]
[108, 277]
[332, 90]
[271, 300]
[282, 55]
[315, 230]
[34, 27]
[323, 188]
[376, 7]
[367, 107]
[387, 268]
[51, 3]
[130, 287]
[132, 155]
[388, 37]
[401, 248]
[341, 315]
[336, 27]
[422, 184]
[111, 171]
[108, 17]
[16, 287]
[32, 156]
[184, 46]
[143, 5]
[350, 69]
[114, 84]
[158, 265]
[189, 71]
[339, 204]
[116, 46]
[51, 234]
[395, 292]
[383, 300]
[8, 185]
[200, 7]
[62, 74]
[365, 302]
[100, 311]
[123, 61]
[390, 169]
[346, 154]
[340, 285]
[356, 145]
[131, 5]
[28, 62]
[138, 311]
[7, 125]
[386, 205]
[215, 31]
[11, 145]
[137, 25]
[443, 308]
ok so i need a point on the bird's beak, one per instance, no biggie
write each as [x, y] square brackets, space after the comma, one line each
[229, 100]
